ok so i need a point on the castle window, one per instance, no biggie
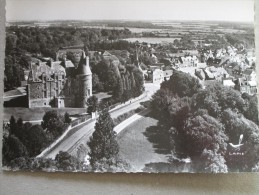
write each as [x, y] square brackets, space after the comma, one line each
[45, 94]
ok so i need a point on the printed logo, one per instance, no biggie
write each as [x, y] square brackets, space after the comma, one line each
[236, 147]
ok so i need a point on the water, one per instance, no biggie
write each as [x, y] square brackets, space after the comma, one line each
[152, 40]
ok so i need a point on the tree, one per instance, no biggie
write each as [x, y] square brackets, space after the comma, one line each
[13, 148]
[161, 101]
[67, 118]
[50, 119]
[118, 90]
[213, 162]
[66, 162]
[202, 131]
[252, 111]
[125, 96]
[97, 84]
[182, 84]
[34, 140]
[53, 122]
[11, 41]
[92, 104]
[216, 98]
[19, 129]
[236, 124]
[13, 125]
[103, 144]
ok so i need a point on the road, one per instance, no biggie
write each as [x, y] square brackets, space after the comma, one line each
[82, 135]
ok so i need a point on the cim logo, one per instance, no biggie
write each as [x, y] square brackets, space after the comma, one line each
[236, 147]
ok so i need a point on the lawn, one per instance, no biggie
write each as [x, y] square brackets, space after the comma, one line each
[28, 114]
[139, 146]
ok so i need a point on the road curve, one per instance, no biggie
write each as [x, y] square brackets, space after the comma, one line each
[83, 134]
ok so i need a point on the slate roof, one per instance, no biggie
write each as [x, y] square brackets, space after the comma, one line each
[228, 83]
[248, 71]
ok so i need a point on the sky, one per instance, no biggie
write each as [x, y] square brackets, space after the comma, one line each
[211, 10]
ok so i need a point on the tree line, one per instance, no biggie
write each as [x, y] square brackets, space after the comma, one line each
[24, 42]
[123, 81]
[24, 140]
[201, 124]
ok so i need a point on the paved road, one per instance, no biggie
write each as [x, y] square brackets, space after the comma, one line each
[83, 134]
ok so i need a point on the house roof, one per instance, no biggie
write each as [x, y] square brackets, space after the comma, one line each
[69, 64]
[208, 74]
[228, 83]
[106, 53]
[120, 53]
[237, 68]
[201, 65]
[167, 68]
[168, 72]
[37, 71]
[176, 54]
[248, 71]
[154, 68]
[200, 74]
[252, 83]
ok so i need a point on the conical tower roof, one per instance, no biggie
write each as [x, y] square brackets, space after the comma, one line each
[84, 67]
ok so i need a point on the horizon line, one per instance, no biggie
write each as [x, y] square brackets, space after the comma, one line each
[129, 20]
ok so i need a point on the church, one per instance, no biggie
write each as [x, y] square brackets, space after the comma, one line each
[60, 83]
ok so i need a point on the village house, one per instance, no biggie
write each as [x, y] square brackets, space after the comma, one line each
[245, 86]
[249, 75]
[157, 76]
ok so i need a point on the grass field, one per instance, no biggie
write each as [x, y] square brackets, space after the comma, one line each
[28, 114]
[35, 114]
[138, 145]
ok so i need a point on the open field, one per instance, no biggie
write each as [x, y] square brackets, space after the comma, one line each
[137, 146]
[28, 114]
[36, 114]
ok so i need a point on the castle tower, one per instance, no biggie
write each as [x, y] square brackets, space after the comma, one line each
[85, 81]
